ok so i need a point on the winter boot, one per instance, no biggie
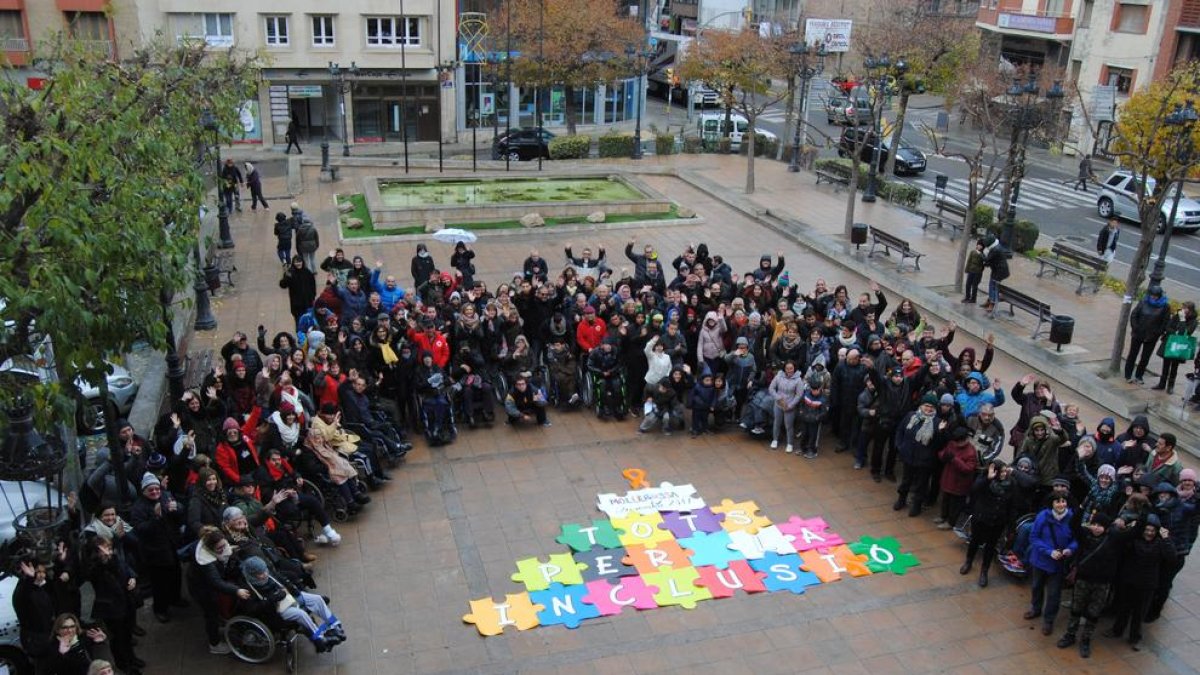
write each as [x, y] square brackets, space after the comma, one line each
[1066, 640]
[1085, 639]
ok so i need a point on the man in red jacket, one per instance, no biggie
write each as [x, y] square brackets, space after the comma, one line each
[590, 332]
[430, 340]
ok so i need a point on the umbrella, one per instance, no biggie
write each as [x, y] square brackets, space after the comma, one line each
[453, 235]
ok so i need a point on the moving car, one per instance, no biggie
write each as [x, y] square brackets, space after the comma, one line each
[846, 111]
[1118, 196]
[712, 127]
[523, 145]
[909, 160]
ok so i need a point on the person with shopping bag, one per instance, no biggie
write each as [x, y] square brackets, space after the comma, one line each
[1178, 345]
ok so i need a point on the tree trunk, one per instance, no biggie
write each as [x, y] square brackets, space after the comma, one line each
[727, 127]
[1137, 274]
[569, 110]
[852, 192]
[790, 119]
[890, 168]
[749, 139]
[964, 245]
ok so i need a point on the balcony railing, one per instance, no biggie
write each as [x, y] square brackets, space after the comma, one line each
[14, 44]
[101, 47]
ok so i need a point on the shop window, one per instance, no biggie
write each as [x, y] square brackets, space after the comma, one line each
[322, 30]
[1131, 18]
[277, 31]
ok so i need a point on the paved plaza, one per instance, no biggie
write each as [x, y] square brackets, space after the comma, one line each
[451, 525]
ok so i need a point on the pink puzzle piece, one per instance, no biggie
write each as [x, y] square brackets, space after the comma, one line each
[612, 596]
[739, 576]
[811, 533]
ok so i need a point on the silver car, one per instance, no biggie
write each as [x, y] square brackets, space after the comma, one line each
[89, 414]
[1118, 196]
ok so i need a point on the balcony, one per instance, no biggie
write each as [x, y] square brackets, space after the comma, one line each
[1021, 24]
[103, 48]
[16, 50]
[950, 9]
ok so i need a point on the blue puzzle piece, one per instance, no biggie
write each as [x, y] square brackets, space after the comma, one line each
[711, 549]
[564, 605]
[783, 573]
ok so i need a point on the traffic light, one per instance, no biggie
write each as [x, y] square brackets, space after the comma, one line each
[671, 79]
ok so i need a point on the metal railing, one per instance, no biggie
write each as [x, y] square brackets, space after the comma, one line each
[14, 44]
[104, 47]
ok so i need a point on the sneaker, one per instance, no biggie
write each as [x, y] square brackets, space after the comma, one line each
[334, 539]
[943, 526]
[858, 465]
[546, 424]
[221, 647]
[744, 426]
[574, 399]
[321, 540]
[774, 445]
[789, 449]
[939, 520]
[811, 454]
[758, 431]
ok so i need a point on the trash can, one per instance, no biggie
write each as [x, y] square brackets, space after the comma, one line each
[212, 277]
[858, 234]
[1062, 329]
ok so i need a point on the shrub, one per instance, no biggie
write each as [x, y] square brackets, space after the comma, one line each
[570, 147]
[664, 144]
[984, 217]
[900, 193]
[808, 155]
[1025, 234]
[692, 145]
[615, 145]
[724, 145]
[893, 191]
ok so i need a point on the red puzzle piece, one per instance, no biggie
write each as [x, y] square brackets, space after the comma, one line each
[739, 576]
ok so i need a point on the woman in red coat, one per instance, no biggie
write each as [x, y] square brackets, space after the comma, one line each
[236, 455]
[959, 463]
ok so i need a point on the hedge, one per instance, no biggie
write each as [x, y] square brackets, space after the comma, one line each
[615, 145]
[664, 144]
[570, 147]
[763, 146]
[1025, 234]
[893, 191]
[693, 145]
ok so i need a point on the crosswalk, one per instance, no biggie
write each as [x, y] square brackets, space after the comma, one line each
[1036, 193]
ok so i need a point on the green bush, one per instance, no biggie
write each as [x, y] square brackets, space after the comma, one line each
[1025, 234]
[570, 147]
[893, 191]
[692, 145]
[900, 193]
[984, 217]
[664, 144]
[615, 145]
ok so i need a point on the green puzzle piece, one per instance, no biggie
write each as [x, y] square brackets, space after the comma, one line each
[560, 568]
[884, 555]
[580, 538]
[677, 586]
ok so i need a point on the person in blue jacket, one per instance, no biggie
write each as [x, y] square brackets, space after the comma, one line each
[389, 290]
[703, 402]
[974, 394]
[1052, 544]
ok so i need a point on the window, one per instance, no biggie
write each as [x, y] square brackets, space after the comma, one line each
[277, 31]
[12, 30]
[87, 25]
[322, 30]
[1121, 78]
[1085, 15]
[393, 31]
[1054, 7]
[1131, 18]
[215, 29]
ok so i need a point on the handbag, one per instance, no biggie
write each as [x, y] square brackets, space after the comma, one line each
[1179, 347]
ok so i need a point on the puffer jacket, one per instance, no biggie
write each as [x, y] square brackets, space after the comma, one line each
[710, 343]
[1051, 534]
[1044, 452]
[787, 389]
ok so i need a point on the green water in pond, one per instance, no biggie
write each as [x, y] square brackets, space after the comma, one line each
[470, 193]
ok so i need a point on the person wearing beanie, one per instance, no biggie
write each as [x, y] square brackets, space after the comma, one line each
[1148, 554]
[959, 464]
[919, 438]
[292, 604]
[892, 403]
[236, 454]
[812, 410]
[1147, 323]
[1098, 558]
[767, 272]
[1178, 518]
[1104, 493]
[156, 518]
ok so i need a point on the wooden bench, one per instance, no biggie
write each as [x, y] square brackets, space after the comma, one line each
[954, 206]
[1018, 300]
[1065, 258]
[891, 242]
[226, 267]
[832, 178]
[955, 224]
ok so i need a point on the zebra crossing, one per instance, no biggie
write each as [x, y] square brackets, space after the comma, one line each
[1036, 193]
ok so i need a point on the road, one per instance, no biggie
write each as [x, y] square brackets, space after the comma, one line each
[1046, 198]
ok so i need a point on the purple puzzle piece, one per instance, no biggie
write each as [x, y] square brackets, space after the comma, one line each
[811, 533]
[684, 524]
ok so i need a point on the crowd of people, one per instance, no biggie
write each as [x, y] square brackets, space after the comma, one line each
[246, 472]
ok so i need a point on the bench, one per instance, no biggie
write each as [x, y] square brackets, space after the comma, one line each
[950, 204]
[1018, 300]
[226, 267]
[890, 242]
[832, 178]
[1065, 258]
[199, 364]
[955, 224]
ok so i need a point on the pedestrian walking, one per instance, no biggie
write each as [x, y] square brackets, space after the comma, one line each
[231, 181]
[1085, 173]
[1106, 240]
[254, 182]
[308, 240]
[283, 237]
[293, 138]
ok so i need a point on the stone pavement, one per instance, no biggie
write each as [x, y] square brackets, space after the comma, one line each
[451, 525]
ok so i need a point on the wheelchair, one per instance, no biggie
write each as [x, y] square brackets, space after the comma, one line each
[323, 489]
[1013, 553]
[614, 400]
[437, 418]
[256, 639]
[383, 436]
[478, 412]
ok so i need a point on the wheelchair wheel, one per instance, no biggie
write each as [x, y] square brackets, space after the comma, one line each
[291, 652]
[250, 639]
[587, 388]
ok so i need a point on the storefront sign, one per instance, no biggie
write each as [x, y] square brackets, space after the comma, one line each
[1036, 24]
[304, 91]
[833, 33]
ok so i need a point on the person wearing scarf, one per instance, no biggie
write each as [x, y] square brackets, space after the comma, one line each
[208, 501]
[1052, 544]
[919, 437]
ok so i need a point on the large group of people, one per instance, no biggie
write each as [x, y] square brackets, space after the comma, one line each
[299, 426]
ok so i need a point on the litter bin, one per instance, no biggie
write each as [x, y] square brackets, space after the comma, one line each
[1062, 329]
[212, 277]
[858, 234]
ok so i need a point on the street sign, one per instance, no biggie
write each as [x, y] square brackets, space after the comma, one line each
[1104, 100]
[304, 91]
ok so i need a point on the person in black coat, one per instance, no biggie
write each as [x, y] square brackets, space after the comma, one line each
[1147, 553]
[461, 260]
[301, 286]
[422, 266]
[34, 607]
[114, 584]
[208, 579]
[156, 518]
[892, 402]
[991, 510]
[995, 256]
[283, 237]
[1147, 323]
[74, 648]
[1098, 557]
[919, 437]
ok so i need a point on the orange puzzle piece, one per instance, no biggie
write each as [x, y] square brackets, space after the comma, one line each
[490, 617]
[667, 554]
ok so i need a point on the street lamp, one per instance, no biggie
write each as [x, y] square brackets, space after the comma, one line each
[342, 79]
[204, 316]
[800, 53]
[881, 68]
[209, 121]
[641, 60]
[1026, 115]
[443, 69]
[1183, 120]
[31, 467]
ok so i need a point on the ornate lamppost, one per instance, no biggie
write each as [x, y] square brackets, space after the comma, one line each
[806, 72]
[1026, 114]
[880, 68]
[343, 80]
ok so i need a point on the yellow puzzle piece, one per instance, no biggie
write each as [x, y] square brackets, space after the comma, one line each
[641, 529]
[741, 516]
[490, 617]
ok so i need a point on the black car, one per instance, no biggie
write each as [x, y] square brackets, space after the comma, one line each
[908, 160]
[522, 145]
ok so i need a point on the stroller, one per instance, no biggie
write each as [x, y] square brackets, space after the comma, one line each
[758, 413]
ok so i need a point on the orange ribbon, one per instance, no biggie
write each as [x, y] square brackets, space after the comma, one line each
[636, 478]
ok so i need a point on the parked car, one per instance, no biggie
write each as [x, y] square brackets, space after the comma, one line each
[12, 657]
[1118, 196]
[523, 145]
[909, 160]
[89, 414]
[846, 111]
[712, 128]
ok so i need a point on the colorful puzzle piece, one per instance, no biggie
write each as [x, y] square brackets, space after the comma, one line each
[855, 565]
[739, 576]
[811, 533]
[537, 575]
[784, 573]
[884, 555]
[768, 539]
[684, 524]
[827, 565]
[584, 538]
[741, 516]
[611, 596]
[667, 554]
[490, 617]
[604, 563]
[677, 587]
[641, 529]
[712, 549]
[563, 605]
[665, 497]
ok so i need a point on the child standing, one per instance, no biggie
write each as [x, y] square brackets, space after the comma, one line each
[813, 406]
[974, 273]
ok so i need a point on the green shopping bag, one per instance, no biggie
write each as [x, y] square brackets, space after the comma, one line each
[1180, 347]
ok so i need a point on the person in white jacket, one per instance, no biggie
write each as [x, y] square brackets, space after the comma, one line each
[658, 361]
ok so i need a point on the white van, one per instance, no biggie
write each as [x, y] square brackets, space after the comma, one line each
[712, 126]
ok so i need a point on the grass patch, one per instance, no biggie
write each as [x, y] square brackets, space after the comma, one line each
[360, 211]
[368, 230]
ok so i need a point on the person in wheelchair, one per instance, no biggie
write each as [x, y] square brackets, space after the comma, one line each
[759, 412]
[433, 387]
[525, 403]
[561, 364]
[725, 407]
[250, 541]
[520, 359]
[323, 462]
[351, 445]
[276, 594]
[662, 406]
[277, 475]
[360, 410]
[605, 366]
[475, 392]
